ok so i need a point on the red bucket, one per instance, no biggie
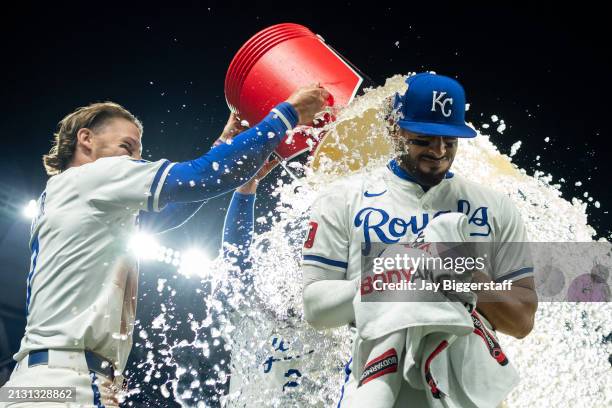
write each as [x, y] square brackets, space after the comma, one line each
[276, 61]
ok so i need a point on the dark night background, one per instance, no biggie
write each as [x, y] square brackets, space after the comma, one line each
[541, 69]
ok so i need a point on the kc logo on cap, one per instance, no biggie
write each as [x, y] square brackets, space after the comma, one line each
[432, 105]
[437, 100]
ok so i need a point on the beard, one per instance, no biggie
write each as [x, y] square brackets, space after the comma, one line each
[426, 178]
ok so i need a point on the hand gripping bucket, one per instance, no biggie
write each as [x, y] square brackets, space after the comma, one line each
[275, 62]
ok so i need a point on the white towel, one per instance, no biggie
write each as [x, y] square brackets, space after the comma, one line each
[466, 374]
[441, 352]
[377, 319]
[375, 360]
[379, 373]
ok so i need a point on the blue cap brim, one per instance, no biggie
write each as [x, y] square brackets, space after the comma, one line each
[437, 129]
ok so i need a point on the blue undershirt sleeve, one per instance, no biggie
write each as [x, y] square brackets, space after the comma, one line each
[227, 166]
[172, 216]
[238, 228]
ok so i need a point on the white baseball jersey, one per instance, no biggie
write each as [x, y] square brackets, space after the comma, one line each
[387, 206]
[81, 291]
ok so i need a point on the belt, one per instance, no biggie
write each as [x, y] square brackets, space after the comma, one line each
[95, 363]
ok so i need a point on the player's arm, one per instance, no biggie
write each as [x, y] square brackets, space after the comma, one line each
[510, 311]
[328, 296]
[121, 184]
[174, 215]
[228, 166]
[238, 226]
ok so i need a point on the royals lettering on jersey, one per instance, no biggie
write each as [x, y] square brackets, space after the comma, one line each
[388, 206]
[390, 230]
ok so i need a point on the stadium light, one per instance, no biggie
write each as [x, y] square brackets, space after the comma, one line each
[145, 246]
[31, 209]
[194, 262]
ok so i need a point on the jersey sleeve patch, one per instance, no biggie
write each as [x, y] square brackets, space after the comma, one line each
[311, 234]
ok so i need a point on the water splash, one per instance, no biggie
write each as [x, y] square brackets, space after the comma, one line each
[564, 361]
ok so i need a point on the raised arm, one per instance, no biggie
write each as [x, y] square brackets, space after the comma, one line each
[174, 215]
[228, 166]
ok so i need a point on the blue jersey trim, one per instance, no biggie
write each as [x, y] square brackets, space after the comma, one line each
[96, 392]
[403, 174]
[326, 261]
[347, 376]
[514, 274]
[154, 185]
[35, 252]
[289, 112]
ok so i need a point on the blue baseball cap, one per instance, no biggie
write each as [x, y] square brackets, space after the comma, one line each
[433, 105]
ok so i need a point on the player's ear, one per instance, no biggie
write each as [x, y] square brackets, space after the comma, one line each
[84, 139]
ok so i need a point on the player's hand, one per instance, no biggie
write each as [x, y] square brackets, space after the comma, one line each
[250, 187]
[308, 101]
[231, 129]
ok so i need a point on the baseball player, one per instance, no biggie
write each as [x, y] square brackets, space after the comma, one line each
[82, 285]
[272, 367]
[395, 203]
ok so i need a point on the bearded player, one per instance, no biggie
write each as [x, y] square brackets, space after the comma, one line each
[395, 204]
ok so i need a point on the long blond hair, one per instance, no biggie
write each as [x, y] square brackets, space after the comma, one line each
[90, 117]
